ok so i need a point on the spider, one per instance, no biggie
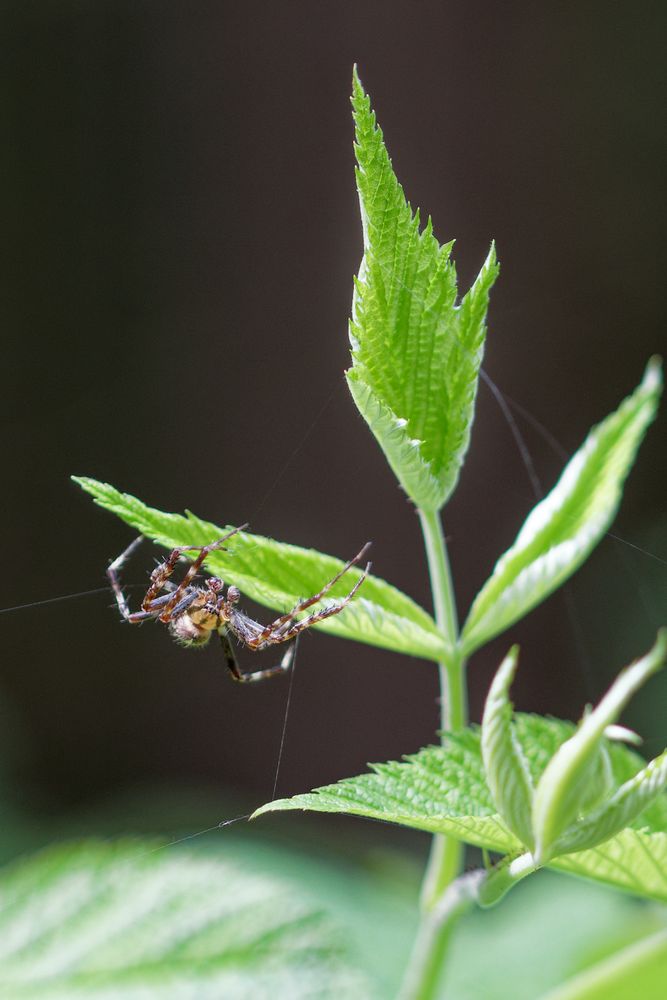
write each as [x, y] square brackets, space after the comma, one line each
[194, 612]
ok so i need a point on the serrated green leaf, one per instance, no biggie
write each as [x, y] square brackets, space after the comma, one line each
[562, 529]
[439, 790]
[416, 352]
[505, 767]
[562, 790]
[634, 860]
[124, 922]
[278, 575]
[443, 790]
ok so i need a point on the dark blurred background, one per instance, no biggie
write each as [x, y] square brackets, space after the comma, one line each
[181, 231]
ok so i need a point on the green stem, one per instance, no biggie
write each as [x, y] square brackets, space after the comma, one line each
[444, 604]
[439, 913]
[434, 935]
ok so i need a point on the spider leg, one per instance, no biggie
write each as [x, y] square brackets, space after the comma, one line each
[285, 628]
[257, 675]
[136, 617]
[152, 605]
[190, 595]
[150, 610]
[179, 597]
[211, 546]
[113, 572]
[162, 574]
[290, 633]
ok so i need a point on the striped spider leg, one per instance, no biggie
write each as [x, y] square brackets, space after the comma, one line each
[193, 612]
[286, 628]
[178, 598]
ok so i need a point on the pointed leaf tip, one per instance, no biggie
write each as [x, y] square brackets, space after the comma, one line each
[416, 350]
[652, 380]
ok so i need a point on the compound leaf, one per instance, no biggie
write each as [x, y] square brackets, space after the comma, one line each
[124, 922]
[416, 352]
[562, 529]
[443, 790]
[278, 575]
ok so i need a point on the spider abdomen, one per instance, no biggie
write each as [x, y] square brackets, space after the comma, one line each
[187, 632]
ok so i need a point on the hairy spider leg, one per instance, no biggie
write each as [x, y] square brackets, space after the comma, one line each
[154, 605]
[295, 630]
[113, 571]
[282, 631]
[162, 573]
[150, 609]
[257, 675]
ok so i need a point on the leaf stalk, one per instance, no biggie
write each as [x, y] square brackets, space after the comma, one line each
[442, 898]
[425, 968]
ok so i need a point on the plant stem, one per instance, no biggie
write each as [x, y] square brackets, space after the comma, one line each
[440, 908]
[444, 604]
[434, 934]
[453, 698]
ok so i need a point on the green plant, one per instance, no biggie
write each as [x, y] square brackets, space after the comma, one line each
[537, 791]
[128, 920]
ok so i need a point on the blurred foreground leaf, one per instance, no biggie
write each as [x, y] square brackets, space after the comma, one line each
[278, 575]
[125, 922]
[639, 970]
[443, 790]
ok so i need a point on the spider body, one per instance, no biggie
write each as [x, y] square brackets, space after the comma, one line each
[210, 611]
[194, 612]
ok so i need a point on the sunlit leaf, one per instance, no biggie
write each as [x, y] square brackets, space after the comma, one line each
[416, 351]
[126, 922]
[443, 790]
[278, 575]
[561, 531]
